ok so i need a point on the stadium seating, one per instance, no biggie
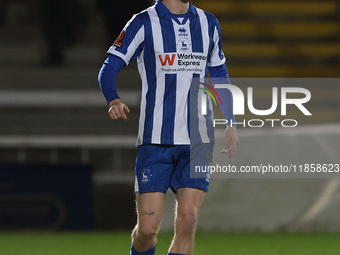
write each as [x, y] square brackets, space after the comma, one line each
[265, 38]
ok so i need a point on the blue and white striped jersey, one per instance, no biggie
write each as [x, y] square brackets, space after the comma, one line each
[170, 50]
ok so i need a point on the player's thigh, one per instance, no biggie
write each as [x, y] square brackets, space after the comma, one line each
[189, 200]
[150, 208]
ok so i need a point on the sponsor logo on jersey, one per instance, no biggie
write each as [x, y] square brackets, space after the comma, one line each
[182, 60]
[167, 59]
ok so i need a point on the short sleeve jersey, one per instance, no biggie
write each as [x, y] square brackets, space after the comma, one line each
[170, 50]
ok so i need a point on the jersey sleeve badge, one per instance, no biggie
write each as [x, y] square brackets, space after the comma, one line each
[118, 43]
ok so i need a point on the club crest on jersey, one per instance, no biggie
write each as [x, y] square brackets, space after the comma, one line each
[182, 32]
[183, 44]
[118, 43]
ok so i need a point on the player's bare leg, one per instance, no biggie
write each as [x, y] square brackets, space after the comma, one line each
[150, 208]
[189, 201]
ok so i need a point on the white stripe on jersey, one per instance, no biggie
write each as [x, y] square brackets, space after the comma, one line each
[142, 73]
[205, 30]
[202, 127]
[205, 34]
[181, 135]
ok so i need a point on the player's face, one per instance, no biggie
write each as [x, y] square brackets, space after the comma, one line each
[185, 1]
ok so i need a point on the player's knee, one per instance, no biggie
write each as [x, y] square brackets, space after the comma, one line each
[147, 232]
[186, 222]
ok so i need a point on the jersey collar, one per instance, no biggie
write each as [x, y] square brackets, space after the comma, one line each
[164, 11]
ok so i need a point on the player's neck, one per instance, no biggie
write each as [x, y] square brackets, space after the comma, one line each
[176, 6]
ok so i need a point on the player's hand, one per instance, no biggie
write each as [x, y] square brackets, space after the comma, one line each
[118, 110]
[231, 140]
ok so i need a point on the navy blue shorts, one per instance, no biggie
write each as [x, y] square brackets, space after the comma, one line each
[159, 167]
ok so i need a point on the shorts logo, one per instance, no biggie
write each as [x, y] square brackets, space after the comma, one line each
[146, 174]
[118, 43]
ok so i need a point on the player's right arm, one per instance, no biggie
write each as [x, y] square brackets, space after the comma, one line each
[124, 50]
[107, 82]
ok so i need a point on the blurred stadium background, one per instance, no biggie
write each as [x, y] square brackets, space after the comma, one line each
[65, 166]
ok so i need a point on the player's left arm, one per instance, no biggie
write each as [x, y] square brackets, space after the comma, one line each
[217, 69]
[230, 134]
[231, 140]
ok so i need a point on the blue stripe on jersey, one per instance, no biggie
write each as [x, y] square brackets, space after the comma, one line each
[137, 52]
[169, 38]
[169, 100]
[189, 113]
[194, 132]
[169, 109]
[196, 36]
[150, 69]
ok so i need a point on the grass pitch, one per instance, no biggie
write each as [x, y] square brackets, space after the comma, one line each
[74, 243]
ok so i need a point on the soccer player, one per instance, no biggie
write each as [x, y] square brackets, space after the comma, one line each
[173, 42]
